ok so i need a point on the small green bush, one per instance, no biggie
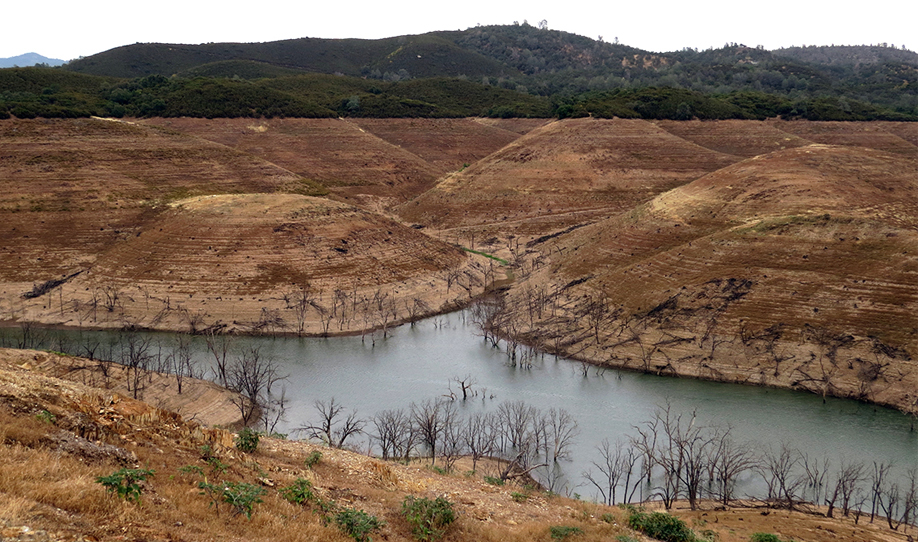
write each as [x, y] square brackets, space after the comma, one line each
[764, 537]
[519, 497]
[241, 497]
[313, 459]
[300, 492]
[608, 518]
[493, 481]
[126, 482]
[217, 466]
[46, 417]
[357, 524]
[191, 469]
[661, 526]
[429, 519]
[247, 440]
[562, 532]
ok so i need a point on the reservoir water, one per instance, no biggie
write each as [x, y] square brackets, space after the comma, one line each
[416, 363]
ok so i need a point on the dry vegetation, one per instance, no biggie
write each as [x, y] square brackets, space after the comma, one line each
[58, 436]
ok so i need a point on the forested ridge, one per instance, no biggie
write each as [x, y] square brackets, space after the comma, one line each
[500, 71]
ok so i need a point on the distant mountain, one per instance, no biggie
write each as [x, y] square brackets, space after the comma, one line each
[29, 59]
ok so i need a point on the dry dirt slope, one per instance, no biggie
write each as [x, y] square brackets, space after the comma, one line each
[57, 436]
[796, 268]
[116, 211]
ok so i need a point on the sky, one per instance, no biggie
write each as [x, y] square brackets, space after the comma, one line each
[68, 29]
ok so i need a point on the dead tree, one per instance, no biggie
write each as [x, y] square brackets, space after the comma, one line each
[465, 384]
[479, 436]
[391, 428]
[610, 471]
[331, 428]
[298, 299]
[562, 430]
[219, 346]
[252, 376]
[431, 418]
[780, 470]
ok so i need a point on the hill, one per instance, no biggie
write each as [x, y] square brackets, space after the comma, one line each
[793, 268]
[138, 225]
[545, 62]
[29, 59]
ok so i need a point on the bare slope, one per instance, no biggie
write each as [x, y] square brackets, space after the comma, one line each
[797, 268]
[584, 166]
[261, 262]
[446, 144]
[72, 187]
[351, 162]
[873, 135]
[737, 137]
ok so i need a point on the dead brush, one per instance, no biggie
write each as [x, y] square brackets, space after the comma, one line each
[382, 475]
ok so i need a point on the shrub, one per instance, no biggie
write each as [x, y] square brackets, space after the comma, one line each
[357, 524]
[429, 519]
[313, 459]
[247, 440]
[216, 466]
[493, 481]
[300, 492]
[191, 469]
[241, 497]
[126, 482]
[46, 417]
[661, 526]
[519, 497]
[764, 537]
[562, 532]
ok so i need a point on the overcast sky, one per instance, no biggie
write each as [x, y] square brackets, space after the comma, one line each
[70, 29]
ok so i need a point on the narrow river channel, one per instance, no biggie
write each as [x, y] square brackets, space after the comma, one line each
[416, 363]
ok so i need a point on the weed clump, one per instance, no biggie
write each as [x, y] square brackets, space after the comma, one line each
[126, 482]
[562, 532]
[660, 526]
[429, 519]
[247, 440]
[357, 524]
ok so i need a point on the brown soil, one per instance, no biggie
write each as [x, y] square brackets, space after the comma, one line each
[57, 436]
[881, 136]
[563, 174]
[793, 269]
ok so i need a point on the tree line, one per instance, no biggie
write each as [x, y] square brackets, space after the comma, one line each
[53, 93]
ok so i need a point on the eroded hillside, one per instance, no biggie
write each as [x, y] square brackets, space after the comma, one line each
[778, 253]
[796, 268]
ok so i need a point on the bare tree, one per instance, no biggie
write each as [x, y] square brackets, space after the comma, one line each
[516, 418]
[431, 418]
[728, 460]
[562, 431]
[610, 471]
[780, 471]
[298, 299]
[180, 360]
[219, 347]
[391, 427]
[252, 376]
[331, 429]
[479, 436]
[846, 483]
[136, 357]
[465, 384]
[877, 479]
